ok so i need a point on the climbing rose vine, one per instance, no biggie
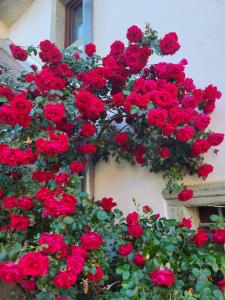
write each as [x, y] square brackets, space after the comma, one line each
[80, 108]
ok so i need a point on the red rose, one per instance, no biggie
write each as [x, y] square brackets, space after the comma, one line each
[76, 166]
[215, 139]
[168, 129]
[75, 264]
[202, 121]
[107, 203]
[146, 208]
[117, 48]
[19, 222]
[118, 99]
[200, 238]
[132, 218]
[134, 34]
[10, 202]
[10, 272]
[7, 93]
[200, 146]
[169, 44]
[139, 260]
[218, 236]
[135, 230]
[88, 129]
[185, 195]
[162, 277]
[205, 170]
[87, 148]
[29, 285]
[125, 249]
[97, 276]
[165, 153]
[211, 93]
[186, 222]
[34, 264]
[62, 298]
[21, 105]
[221, 285]
[90, 49]
[185, 134]
[91, 240]
[121, 138]
[53, 242]
[25, 203]
[157, 117]
[54, 112]
[79, 251]
[89, 106]
[18, 52]
[64, 279]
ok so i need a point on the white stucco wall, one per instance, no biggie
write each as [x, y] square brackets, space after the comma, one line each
[34, 24]
[201, 30]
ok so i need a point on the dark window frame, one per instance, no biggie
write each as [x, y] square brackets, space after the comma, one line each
[70, 21]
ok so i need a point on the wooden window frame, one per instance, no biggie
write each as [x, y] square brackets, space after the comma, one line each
[70, 21]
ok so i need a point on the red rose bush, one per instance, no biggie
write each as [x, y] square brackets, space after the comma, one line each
[79, 108]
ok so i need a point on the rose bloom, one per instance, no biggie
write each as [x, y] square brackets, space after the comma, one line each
[10, 272]
[139, 260]
[64, 279]
[53, 240]
[78, 251]
[125, 249]
[88, 129]
[34, 264]
[97, 276]
[19, 222]
[186, 222]
[200, 238]
[107, 203]
[165, 153]
[25, 203]
[76, 166]
[132, 217]
[221, 285]
[29, 285]
[134, 34]
[118, 99]
[205, 170]
[185, 195]
[90, 49]
[185, 134]
[219, 236]
[135, 230]
[18, 53]
[215, 139]
[75, 263]
[169, 44]
[162, 277]
[91, 240]
[146, 208]
[121, 138]
[54, 112]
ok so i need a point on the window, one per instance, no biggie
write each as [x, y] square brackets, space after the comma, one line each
[74, 23]
[206, 211]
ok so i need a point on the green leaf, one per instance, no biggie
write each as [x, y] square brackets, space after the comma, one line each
[126, 275]
[222, 259]
[218, 294]
[68, 220]
[102, 215]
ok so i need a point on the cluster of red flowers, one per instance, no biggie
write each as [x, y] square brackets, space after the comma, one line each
[133, 225]
[57, 203]
[16, 111]
[56, 144]
[12, 157]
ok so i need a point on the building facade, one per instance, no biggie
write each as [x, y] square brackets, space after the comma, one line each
[199, 25]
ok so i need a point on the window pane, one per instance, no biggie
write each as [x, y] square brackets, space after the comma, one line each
[77, 22]
[205, 212]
